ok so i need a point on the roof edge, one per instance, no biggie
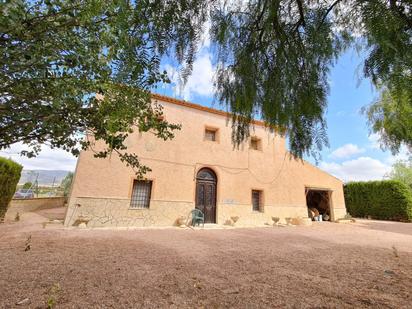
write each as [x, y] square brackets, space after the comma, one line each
[184, 103]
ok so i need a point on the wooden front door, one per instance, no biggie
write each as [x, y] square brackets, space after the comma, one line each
[206, 194]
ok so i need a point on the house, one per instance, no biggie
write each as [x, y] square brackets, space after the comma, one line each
[201, 169]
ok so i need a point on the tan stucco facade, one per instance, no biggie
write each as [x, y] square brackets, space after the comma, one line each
[102, 188]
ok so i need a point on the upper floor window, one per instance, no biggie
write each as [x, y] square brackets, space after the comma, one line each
[142, 190]
[255, 143]
[211, 134]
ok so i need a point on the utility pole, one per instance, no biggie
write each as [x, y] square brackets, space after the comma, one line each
[52, 191]
[36, 182]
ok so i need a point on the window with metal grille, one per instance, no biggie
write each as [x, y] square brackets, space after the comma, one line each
[257, 200]
[142, 190]
[210, 135]
[255, 143]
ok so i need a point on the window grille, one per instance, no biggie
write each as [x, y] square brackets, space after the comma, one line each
[210, 135]
[257, 200]
[141, 194]
[255, 143]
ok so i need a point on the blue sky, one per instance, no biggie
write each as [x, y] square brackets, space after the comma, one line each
[353, 154]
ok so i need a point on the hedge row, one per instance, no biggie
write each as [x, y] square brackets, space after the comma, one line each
[10, 173]
[385, 200]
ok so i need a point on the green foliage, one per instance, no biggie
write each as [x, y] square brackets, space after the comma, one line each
[53, 295]
[391, 117]
[386, 200]
[273, 61]
[79, 67]
[274, 58]
[402, 171]
[66, 183]
[388, 29]
[27, 185]
[10, 173]
[58, 54]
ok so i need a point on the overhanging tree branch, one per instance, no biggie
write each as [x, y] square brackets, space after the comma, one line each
[301, 21]
[327, 12]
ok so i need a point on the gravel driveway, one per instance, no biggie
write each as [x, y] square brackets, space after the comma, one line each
[365, 264]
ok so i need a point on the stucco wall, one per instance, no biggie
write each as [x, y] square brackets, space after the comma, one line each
[103, 184]
[26, 205]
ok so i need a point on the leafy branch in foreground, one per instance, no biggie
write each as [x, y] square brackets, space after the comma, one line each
[58, 55]
[389, 36]
[391, 117]
[273, 61]
[273, 58]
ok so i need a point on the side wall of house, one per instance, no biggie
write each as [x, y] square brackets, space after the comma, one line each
[102, 187]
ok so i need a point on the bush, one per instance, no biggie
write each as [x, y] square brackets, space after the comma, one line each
[386, 200]
[67, 183]
[27, 185]
[9, 177]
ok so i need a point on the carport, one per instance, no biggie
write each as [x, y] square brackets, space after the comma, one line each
[319, 202]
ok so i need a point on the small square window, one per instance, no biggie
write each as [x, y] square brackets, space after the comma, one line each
[255, 143]
[257, 200]
[210, 134]
[141, 193]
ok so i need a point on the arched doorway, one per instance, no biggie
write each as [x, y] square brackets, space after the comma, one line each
[206, 181]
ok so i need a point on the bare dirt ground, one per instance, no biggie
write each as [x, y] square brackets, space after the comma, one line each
[365, 264]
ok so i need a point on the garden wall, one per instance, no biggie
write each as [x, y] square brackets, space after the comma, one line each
[27, 205]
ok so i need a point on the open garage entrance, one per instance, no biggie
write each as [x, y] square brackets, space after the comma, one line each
[319, 204]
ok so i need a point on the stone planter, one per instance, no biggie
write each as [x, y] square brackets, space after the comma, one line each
[181, 221]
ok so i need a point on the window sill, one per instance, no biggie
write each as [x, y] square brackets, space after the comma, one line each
[257, 212]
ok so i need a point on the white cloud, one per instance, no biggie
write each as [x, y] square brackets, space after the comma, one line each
[200, 82]
[374, 140]
[205, 36]
[403, 155]
[363, 168]
[404, 152]
[48, 159]
[360, 169]
[346, 151]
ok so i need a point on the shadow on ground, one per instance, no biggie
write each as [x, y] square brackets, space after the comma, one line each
[326, 265]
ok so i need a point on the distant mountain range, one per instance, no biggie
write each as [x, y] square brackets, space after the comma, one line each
[44, 177]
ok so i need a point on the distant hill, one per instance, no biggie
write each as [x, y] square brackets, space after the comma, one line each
[45, 177]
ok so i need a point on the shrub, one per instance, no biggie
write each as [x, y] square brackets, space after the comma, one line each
[67, 183]
[27, 185]
[9, 177]
[386, 200]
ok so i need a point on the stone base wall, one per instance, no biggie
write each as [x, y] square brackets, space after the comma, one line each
[104, 212]
[31, 204]
[248, 217]
[110, 212]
